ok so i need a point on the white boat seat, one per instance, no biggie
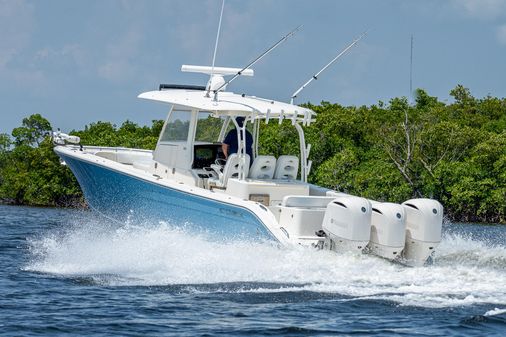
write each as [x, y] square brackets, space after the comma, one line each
[230, 170]
[263, 167]
[287, 167]
[142, 165]
[306, 201]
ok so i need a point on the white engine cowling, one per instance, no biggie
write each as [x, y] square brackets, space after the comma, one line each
[388, 230]
[424, 220]
[347, 223]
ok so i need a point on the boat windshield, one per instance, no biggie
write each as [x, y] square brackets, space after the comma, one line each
[177, 127]
[208, 127]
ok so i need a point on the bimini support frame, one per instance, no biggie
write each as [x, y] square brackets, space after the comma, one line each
[241, 150]
[256, 134]
[305, 164]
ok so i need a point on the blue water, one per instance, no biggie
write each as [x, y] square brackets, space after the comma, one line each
[67, 273]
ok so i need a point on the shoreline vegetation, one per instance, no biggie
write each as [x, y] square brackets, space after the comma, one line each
[455, 153]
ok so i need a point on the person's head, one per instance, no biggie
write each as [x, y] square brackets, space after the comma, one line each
[240, 121]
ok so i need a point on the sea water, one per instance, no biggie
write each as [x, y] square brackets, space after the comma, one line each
[67, 272]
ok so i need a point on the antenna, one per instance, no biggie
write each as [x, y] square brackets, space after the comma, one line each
[315, 76]
[216, 44]
[283, 39]
[216, 47]
[411, 69]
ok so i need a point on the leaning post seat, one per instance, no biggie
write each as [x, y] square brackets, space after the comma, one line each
[230, 170]
[263, 167]
[287, 167]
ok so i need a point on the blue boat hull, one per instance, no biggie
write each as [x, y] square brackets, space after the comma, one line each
[124, 197]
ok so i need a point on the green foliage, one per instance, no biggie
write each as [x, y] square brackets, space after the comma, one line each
[5, 145]
[391, 152]
[128, 134]
[455, 153]
[337, 171]
[34, 176]
[462, 96]
[31, 173]
[278, 139]
[5, 142]
[208, 129]
[32, 131]
[424, 102]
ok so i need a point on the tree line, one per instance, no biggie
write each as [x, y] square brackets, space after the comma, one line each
[453, 152]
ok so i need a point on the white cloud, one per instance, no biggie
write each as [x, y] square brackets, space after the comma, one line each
[70, 52]
[482, 9]
[501, 34]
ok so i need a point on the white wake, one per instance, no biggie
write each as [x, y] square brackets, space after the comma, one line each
[465, 271]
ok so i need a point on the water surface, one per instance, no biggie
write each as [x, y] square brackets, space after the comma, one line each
[65, 272]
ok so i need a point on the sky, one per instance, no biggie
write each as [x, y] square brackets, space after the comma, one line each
[77, 62]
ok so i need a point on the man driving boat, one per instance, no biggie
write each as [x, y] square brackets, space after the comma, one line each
[230, 144]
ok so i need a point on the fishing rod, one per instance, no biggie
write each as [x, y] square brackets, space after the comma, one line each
[315, 76]
[283, 39]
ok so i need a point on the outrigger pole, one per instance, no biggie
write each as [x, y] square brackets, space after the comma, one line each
[315, 76]
[283, 39]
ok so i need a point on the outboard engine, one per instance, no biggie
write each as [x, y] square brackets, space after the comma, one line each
[388, 230]
[347, 224]
[424, 220]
